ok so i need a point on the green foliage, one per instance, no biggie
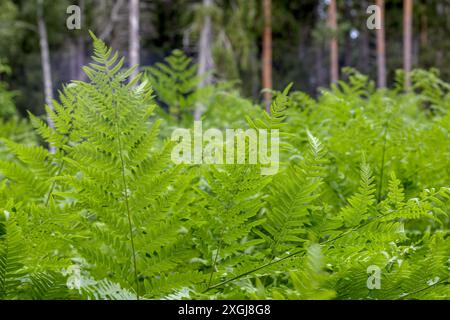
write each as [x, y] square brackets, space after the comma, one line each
[176, 84]
[363, 181]
[7, 107]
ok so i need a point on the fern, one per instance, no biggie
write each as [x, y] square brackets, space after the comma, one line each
[11, 259]
[293, 200]
[109, 216]
[176, 82]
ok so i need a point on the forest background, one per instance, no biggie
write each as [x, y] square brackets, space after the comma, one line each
[255, 44]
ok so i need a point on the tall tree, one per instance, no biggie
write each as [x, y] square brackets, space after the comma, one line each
[45, 58]
[267, 52]
[76, 46]
[319, 42]
[381, 47]
[134, 47]
[423, 25]
[205, 57]
[407, 40]
[334, 58]
[111, 20]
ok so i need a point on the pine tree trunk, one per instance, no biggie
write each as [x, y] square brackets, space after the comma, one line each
[45, 59]
[134, 46]
[205, 58]
[407, 40]
[267, 52]
[381, 48]
[332, 24]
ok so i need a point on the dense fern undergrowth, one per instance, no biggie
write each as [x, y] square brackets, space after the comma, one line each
[363, 183]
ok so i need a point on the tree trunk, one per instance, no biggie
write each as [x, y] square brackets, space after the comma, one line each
[267, 52]
[346, 42]
[407, 40]
[205, 58]
[424, 29]
[332, 24]
[80, 50]
[45, 59]
[423, 37]
[80, 58]
[321, 75]
[72, 58]
[364, 63]
[77, 48]
[134, 49]
[381, 48]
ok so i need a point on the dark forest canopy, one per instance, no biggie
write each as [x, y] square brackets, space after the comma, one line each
[299, 33]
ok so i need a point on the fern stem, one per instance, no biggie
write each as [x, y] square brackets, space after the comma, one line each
[127, 204]
[444, 281]
[343, 234]
[215, 260]
[52, 188]
[383, 156]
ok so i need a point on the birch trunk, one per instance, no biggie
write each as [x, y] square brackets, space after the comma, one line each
[80, 50]
[205, 58]
[381, 48]
[134, 34]
[45, 59]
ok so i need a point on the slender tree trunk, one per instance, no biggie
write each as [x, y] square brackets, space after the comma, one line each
[364, 63]
[80, 55]
[77, 48]
[334, 58]
[321, 75]
[80, 58]
[267, 52]
[381, 48]
[45, 58]
[346, 43]
[407, 40]
[254, 69]
[113, 20]
[205, 58]
[423, 37]
[319, 62]
[424, 29]
[72, 58]
[134, 49]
